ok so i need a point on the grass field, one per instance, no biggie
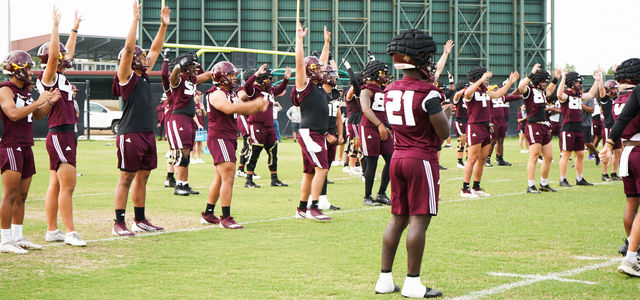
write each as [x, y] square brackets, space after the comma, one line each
[507, 246]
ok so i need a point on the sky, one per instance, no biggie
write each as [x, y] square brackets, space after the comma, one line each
[586, 31]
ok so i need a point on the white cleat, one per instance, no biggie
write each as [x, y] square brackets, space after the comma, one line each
[12, 247]
[346, 169]
[467, 194]
[480, 193]
[629, 268]
[73, 239]
[460, 166]
[337, 163]
[27, 244]
[56, 236]
[241, 174]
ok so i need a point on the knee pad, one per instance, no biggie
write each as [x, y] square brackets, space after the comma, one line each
[184, 160]
[460, 147]
[272, 152]
[173, 157]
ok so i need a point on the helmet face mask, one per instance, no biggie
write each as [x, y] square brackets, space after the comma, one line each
[330, 76]
[611, 88]
[63, 63]
[225, 75]
[313, 68]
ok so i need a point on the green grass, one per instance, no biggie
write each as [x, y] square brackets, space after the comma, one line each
[276, 256]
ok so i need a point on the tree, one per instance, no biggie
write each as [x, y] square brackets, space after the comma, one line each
[569, 68]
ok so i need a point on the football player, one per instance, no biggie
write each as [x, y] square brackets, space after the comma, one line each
[499, 121]
[170, 180]
[460, 120]
[222, 140]
[354, 117]
[61, 140]
[314, 110]
[606, 103]
[572, 138]
[535, 88]
[135, 141]
[419, 125]
[476, 96]
[626, 110]
[262, 130]
[17, 110]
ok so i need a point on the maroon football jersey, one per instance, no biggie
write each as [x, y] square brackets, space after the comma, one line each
[377, 105]
[572, 108]
[406, 109]
[221, 125]
[63, 112]
[535, 101]
[18, 133]
[462, 114]
[182, 95]
[253, 91]
[497, 110]
[479, 107]
[353, 105]
[634, 126]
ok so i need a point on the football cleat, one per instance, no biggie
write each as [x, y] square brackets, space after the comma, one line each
[386, 287]
[121, 229]
[480, 192]
[301, 213]
[27, 244]
[316, 214]
[623, 249]
[605, 177]
[336, 163]
[383, 199]
[55, 236]
[460, 165]
[346, 169]
[144, 225]
[170, 182]
[565, 183]
[210, 219]
[532, 190]
[368, 201]
[332, 207]
[615, 178]
[597, 160]
[447, 146]
[629, 268]
[12, 247]
[466, 193]
[180, 190]
[442, 167]
[240, 173]
[191, 191]
[230, 223]
[250, 184]
[583, 182]
[546, 188]
[504, 163]
[73, 239]
[256, 176]
[487, 163]
[277, 182]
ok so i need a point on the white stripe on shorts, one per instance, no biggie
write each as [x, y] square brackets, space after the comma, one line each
[56, 145]
[432, 197]
[223, 148]
[123, 158]
[363, 142]
[12, 160]
[176, 135]
[533, 139]
[564, 141]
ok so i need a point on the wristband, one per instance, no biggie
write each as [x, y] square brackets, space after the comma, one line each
[530, 76]
[554, 80]
[74, 30]
[49, 102]
[612, 144]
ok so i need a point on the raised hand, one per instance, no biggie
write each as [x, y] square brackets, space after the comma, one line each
[346, 63]
[327, 35]
[165, 15]
[488, 75]
[165, 52]
[287, 73]
[300, 32]
[136, 10]
[261, 70]
[56, 16]
[513, 77]
[557, 73]
[76, 21]
[535, 68]
[448, 46]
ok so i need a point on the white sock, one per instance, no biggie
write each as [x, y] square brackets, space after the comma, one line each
[179, 182]
[385, 283]
[5, 235]
[562, 178]
[16, 231]
[632, 257]
[579, 177]
[544, 181]
[531, 182]
[413, 288]
[53, 232]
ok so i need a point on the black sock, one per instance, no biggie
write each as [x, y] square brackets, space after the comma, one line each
[614, 174]
[303, 205]
[357, 164]
[209, 209]
[460, 161]
[314, 204]
[385, 271]
[274, 176]
[241, 168]
[226, 211]
[413, 275]
[346, 163]
[119, 215]
[324, 187]
[476, 185]
[169, 175]
[465, 186]
[139, 213]
[498, 157]
[249, 177]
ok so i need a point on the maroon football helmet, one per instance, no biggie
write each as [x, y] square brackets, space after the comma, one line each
[330, 76]
[611, 87]
[43, 54]
[224, 75]
[18, 63]
[313, 66]
[140, 61]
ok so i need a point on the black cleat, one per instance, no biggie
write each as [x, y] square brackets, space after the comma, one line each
[431, 293]
[546, 188]
[250, 184]
[623, 249]
[487, 163]
[565, 183]
[532, 190]
[605, 177]
[332, 207]
[191, 191]
[367, 201]
[170, 182]
[276, 182]
[330, 182]
[442, 167]
[583, 182]
[615, 178]
[180, 190]
[597, 160]
[504, 163]
[383, 199]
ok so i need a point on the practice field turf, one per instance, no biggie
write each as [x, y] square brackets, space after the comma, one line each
[510, 245]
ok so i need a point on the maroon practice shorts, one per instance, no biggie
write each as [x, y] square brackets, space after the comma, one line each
[314, 150]
[262, 135]
[331, 151]
[499, 130]
[181, 132]
[632, 182]
[596, 127]
[61, 147]
[537, 133]
[605, 136]
[136, 151]
[222, 150]
[243, 125]
[460, 127]
[478, 134]
[352, 130]
[571, 141]
[372, 145]
[19, 159]
[415, 186]
[556, 128]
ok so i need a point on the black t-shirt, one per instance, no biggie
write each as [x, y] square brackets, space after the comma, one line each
[139, 109]
[314, 107]
[606, 104]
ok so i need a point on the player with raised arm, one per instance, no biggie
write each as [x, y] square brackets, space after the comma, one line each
[135, 142]
[222, 140]
[477, 98]
[606, 103]
[535, 89]
[17, 111]
[314, 110]
[354, 117]
[460, 121]
[499, 121]
[419, 124]
[572, 138]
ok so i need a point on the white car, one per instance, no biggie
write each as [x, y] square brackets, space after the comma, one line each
[103, 118]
